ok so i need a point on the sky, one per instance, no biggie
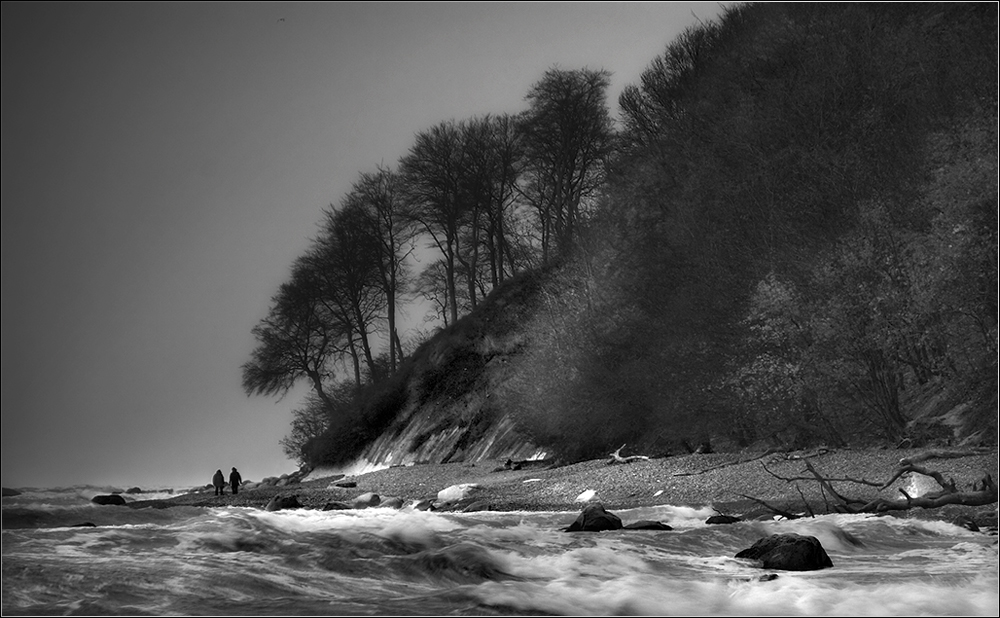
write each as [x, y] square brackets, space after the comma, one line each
[165, 163]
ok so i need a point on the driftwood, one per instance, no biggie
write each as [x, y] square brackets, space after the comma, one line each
[777, 456]
[616, 457]
[982, 493]
[724, 465]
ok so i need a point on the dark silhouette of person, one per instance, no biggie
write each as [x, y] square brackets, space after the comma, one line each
[235, 480]
[219, 481]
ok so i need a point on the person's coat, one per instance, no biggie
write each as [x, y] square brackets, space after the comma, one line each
[218, 480]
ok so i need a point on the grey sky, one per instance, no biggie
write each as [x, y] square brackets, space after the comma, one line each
[164, 164]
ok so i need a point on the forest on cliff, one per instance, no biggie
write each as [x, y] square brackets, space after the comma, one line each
[788, 237]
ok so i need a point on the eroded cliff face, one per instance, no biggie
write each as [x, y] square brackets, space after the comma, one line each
[457, 405]
[423, 439]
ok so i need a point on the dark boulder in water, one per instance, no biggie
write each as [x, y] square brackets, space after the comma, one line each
[86, 524]
[721, 519]
[646, 524]
[788, 552]
[278, 503]
[7, 492]
[964, 521]
[112, 499]
[594, 518]
[152, 504]
[133, 490]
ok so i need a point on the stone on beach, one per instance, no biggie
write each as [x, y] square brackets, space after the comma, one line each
[366, 500]
[112, 500]
[423, 505]
[280, 502]
[392, 502]
[455, 493]
[460, 498]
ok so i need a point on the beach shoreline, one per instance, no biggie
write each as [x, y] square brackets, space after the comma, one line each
[746, 485]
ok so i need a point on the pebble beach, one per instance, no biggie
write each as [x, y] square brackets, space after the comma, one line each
[745, 485]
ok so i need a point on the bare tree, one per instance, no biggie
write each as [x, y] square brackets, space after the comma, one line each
[432, 172]
[379, 198]
[568, 135]
[299, 338]
[345, 260]
[432, 285]
[494, 149]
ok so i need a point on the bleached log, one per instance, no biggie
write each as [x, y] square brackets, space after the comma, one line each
[616, 457]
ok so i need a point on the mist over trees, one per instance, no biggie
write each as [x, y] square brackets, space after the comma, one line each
[789, 238]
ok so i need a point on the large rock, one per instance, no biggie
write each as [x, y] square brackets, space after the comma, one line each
[460, 498]
[366, 500]
[279, 502]
[133, 490]
[456, 493]
[594, 518]
[392, 502]
[7, 491]
[788, 552]
[112, 499]
[715, 520]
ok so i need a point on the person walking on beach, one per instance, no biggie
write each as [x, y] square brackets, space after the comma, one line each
[235, 480]
[219, 481]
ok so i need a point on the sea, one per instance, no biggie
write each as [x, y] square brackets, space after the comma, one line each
[239, 561]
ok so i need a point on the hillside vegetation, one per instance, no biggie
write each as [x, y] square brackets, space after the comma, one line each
[792, 242]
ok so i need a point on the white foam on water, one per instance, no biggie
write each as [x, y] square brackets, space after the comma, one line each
[365, 561]
[789, 594]
[676, 516]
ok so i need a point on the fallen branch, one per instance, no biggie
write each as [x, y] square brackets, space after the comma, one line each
[723, 465]
[976, 497]
[771, 508]
[845, 479]
[948, 485]
[616, 457]
[941, 454]
[983, 492]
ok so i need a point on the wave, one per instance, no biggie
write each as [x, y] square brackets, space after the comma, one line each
[239, 560]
